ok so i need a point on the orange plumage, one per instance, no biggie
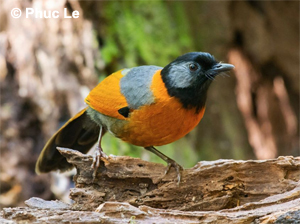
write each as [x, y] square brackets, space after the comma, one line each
[145, 106]
[162, 122]
[106, 97]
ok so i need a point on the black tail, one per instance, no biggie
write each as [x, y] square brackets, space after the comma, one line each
[79, 133]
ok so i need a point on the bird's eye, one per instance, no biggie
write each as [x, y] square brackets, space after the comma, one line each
[193, 67]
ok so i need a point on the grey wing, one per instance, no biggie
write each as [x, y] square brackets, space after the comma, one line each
[135, 86]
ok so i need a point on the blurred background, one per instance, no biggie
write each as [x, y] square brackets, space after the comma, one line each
[48, 66]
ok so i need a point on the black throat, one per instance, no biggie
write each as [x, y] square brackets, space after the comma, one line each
[193, 97]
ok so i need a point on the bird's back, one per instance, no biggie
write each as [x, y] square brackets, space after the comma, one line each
[124, 88]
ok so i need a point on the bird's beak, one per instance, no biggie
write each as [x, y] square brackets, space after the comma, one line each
[221, 67]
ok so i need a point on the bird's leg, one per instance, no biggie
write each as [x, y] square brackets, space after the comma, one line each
[98, 154]
[170, 162]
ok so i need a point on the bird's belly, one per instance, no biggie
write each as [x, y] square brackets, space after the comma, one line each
[111, 124]
[159, 124]
[151, 125]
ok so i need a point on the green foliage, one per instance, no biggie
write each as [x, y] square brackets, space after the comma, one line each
[141, 32]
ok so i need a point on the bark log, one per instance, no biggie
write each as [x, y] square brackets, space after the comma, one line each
[132, 190]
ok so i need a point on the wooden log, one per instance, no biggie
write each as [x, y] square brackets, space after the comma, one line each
[215, 185]
[132, 190]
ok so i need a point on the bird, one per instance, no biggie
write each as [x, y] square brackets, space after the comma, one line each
[145, 106]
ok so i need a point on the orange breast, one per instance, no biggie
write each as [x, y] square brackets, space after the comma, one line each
[160, 123]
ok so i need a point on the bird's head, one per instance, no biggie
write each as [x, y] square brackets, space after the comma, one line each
[189, 76]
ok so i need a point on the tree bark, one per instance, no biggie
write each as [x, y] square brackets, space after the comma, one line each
[128, 189]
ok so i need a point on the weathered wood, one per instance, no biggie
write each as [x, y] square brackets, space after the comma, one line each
[214, 185]
[132, 190]
[267, 211]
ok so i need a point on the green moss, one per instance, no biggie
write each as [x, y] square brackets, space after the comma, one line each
[140, 32]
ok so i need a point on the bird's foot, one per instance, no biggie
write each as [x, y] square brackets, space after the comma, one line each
[178, 168]
[96, 160]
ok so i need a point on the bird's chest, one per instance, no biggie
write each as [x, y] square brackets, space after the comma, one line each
[160, 123]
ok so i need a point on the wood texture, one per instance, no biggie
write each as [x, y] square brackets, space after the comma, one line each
[131, 190]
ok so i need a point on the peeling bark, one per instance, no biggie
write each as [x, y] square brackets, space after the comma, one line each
[132, 190]
[214, 185]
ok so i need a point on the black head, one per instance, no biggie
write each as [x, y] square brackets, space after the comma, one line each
[189, 76]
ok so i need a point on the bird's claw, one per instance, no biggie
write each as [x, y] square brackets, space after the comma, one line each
[178, 168]
[96, 160]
